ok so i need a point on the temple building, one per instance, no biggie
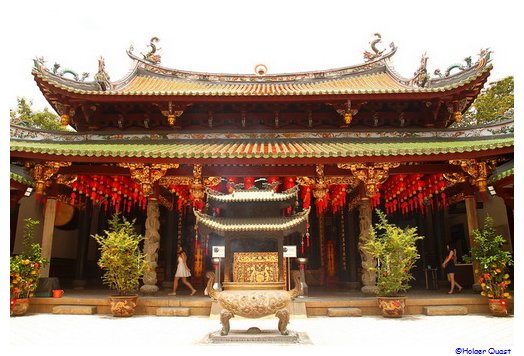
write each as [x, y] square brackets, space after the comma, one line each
[161, 143]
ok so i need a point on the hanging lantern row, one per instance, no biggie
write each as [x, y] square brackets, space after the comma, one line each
[337, 196]
[182, 193]
[118, 192]
[375, 200]
[412, 192]
[305, 195]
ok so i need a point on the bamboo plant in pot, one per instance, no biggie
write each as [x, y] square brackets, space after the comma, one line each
[493, 264]
[395, 252]
[123, 264]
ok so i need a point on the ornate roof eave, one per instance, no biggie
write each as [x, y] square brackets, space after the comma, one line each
[311, 152]
[501, 172]
[20, 175]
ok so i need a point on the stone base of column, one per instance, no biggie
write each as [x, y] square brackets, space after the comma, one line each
[149, 289]
[79, 284]
[369, 289]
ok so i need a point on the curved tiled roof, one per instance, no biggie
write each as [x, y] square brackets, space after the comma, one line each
[501, 172]
[20, 175]
[374, 77]
[263, 148]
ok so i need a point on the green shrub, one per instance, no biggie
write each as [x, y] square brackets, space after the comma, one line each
[120, 257]
[395, 251]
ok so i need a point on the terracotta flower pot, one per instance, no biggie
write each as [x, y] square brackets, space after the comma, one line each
[123, 305]
[392, 307]
[20, 306]
[498, 307]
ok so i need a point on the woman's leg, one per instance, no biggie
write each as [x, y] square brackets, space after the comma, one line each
[451, 278]
[186, 282]
[175, 286]
[458, 285]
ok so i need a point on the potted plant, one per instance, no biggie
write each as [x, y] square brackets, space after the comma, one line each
[492, 263]
[25, 270]
[395, 252]
[122, 262]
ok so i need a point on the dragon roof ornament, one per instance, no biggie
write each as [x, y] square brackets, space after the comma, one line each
[422, 78]
[368, 56]
[152, 56]
[39, 64]
[101, 77]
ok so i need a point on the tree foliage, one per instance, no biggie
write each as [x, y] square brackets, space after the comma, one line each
[25, 116]
[495, 103]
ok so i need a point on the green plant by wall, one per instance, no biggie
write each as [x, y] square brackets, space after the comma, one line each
[25, 267]
[395, 251]
[492, 261]
[120, 257]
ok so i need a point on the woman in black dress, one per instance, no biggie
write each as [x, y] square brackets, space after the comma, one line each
[449, 268]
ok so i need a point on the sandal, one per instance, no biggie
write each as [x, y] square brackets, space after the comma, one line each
[172, 293]
[193, 292]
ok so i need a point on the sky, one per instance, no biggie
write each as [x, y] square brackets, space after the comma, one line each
[234, 36]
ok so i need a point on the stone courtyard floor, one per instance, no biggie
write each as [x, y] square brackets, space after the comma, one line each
[48, 334]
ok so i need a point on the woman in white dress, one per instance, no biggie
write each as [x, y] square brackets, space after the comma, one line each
[182, 271]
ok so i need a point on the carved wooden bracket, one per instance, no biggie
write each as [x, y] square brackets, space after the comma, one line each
[347, 110]
[370, 174]
[65, 111]
[146, 175]
[196, 183]
[477, 170]
[320, 187]
[42, 173]
[454, 178]
[172, 111]
[66, 179]
[456, 107]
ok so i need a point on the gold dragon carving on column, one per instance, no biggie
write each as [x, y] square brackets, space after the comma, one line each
[196, 183]
[478, 171]
[147, 174]
[321, 183]
[43, 172]
[370, 174]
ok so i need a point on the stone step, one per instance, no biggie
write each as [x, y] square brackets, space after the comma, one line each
[445, 310]
[74, 309]
[173, 311]
[344, 312]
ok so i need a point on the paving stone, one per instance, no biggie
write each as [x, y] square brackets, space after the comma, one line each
[344, 312]
[173, 311]
[74, 309]
[446, 310]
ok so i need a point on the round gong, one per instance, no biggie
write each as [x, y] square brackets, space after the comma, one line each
[64, 213]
